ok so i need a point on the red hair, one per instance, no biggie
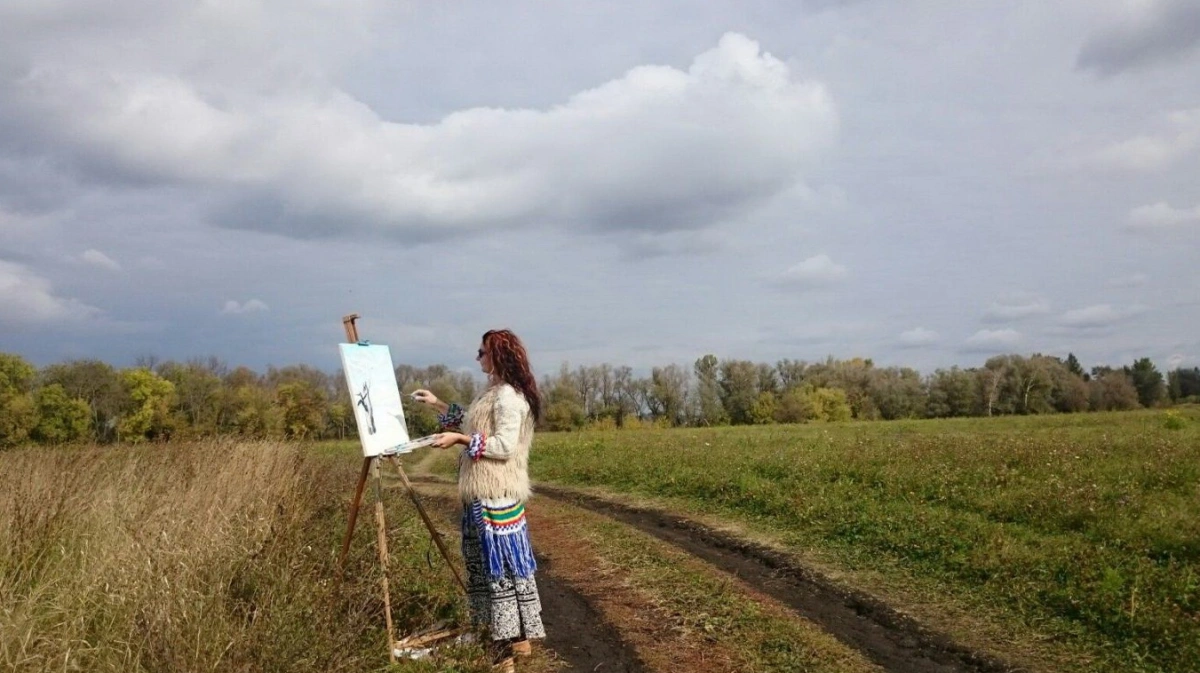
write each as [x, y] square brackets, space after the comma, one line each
[511, 365]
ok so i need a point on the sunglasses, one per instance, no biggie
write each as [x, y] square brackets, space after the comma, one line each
[479, 354]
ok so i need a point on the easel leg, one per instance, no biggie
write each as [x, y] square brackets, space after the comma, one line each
[384, 558]
[358, 491]
[437, 538]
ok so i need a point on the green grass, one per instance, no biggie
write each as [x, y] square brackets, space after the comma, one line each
[1085, 527]
[701, 609]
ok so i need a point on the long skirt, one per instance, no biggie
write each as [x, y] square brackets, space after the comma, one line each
[501, 590]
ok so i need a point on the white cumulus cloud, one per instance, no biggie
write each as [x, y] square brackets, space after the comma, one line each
[987, 340]
[1097, 316]
[1147, 152]
[29, 299]
[1132, 280]
[1162, 215]
[816, 271]
[249, 306]
[656, 149]
[918, 336]
[1016, 309]
[99, 259]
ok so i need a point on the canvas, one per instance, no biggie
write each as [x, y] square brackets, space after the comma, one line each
[371, 381]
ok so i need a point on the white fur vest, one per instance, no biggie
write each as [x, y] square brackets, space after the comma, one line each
[503, 416]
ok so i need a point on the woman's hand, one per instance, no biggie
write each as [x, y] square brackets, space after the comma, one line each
[446, 440]
[425, 397]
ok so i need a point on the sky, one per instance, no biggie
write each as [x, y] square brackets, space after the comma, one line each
[924, 183]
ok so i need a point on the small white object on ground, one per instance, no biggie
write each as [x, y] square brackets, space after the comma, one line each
[412, 652]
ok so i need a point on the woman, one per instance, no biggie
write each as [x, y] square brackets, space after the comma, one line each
[493, 482]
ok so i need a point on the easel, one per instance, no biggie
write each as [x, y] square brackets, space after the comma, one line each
[371, 466]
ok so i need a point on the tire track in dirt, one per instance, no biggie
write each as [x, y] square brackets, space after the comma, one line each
[575, 631]
[894, 641]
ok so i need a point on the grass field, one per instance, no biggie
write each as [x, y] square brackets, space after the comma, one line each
[1083, 528]
[1078, 533]
[213, 556]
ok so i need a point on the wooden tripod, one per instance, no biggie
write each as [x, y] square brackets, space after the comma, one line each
[371, 466]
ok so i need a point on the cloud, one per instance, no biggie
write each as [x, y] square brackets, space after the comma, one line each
[1015, 309]
[1132, 280]
[1148, 152]
[29, 299]
[657, 149]
[99, 259]
[250, 306]
[1097, 316]
[986, 340]
[817, 271]
[1162, 215]
[917, 337]
[1152, 33]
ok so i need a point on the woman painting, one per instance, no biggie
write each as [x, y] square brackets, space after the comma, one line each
[493, 482]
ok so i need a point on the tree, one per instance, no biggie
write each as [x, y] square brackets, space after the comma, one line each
[96, 383]
[197, 388]
[768, 379]
[764, 409]
[560, 399]
[1069, 390]
[18, 417]
[152, 398]
[710, 410]
[668, 393]
[624, 393]
[254, 412]
[793, 406]
[854, 377]
[303, 408]
[340, 418]
[814, 404]
[1184, 384]
[739, 389]
[1033, 383]
[792, 373]
[1075, 368]
[1148, 381]
[898, 392]
[991, 381]
[16, 375]
[953, 392]
[242, 376]
[18, 411]
[1111, 390]
[587, 381]
[60, 418]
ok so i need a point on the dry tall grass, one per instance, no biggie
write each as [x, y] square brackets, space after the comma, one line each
[211, 556]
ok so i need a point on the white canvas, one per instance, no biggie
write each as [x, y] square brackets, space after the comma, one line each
[375, 396]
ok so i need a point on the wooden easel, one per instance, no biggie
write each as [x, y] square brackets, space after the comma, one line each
[371, 466]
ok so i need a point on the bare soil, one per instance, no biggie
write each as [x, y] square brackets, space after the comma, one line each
[576, 632]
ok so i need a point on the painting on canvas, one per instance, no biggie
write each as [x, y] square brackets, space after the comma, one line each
[375, 396]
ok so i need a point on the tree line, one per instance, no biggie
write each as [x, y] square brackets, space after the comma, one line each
[89, 400]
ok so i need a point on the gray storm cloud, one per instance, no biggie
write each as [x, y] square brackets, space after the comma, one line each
[1159, 32]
